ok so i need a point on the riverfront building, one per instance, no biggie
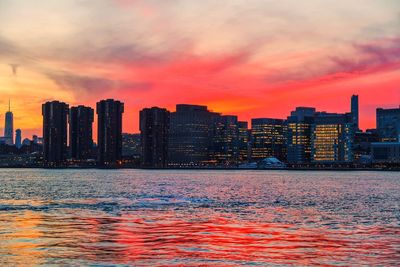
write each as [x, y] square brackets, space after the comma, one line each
[298, 137]
[55, 115]
[189, 136]
[131, 145]
[109, 134]
[388, 152]
[332, 138]
[362, 144]
[243, 142]
[81, 132]
[154, 129]
[388, 124]
[268, 139]
[224, 147]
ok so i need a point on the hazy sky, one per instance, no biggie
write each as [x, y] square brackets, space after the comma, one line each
[254, 58]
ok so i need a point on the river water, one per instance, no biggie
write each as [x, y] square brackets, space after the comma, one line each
[199, 218]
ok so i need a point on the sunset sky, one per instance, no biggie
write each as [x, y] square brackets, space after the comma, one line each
[253, 58]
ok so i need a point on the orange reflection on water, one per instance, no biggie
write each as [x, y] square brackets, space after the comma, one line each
[20, 239]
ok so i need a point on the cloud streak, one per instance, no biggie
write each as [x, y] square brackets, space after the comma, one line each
[86, 86]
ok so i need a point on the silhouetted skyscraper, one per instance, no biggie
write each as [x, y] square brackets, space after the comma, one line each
[109, 136]
[243, 142]
[154, 128]
[9, 127]
[55, 115]
[18, 138]
[80, 132]
[189, 136]
[388, 124]
[354, 111]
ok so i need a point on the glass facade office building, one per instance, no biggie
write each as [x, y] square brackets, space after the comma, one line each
[332, 137]
[224, 147]
[298, 137]
[268, 139]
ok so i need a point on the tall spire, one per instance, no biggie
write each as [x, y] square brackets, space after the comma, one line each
[9, 126]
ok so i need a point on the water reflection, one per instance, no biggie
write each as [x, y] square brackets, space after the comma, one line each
[20, 239]
[161, 225]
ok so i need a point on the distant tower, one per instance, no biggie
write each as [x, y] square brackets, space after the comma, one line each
[18, 138]
[354, 111]
[9, 126]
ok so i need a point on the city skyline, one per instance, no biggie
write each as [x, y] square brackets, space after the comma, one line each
[28, 135]
[252, 59]
[195, 137]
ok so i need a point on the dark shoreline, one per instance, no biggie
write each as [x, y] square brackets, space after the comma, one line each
[202, 169]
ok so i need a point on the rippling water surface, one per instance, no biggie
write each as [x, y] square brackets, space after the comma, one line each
[199, 218]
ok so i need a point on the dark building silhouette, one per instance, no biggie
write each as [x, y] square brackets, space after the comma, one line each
[189, 136]
[18, 138]
[154, 128]
[362, 144]
[7, 149]
[298, 137]
[109, 134]
[243, 142]
[9, 126]
[131, 145]
[131, 150]
[224, 146]
[332, 138]
[268, 139]
[388, 124]
[28, 146]
[386, 153]
[354, 111]
[55, 115]
[80, 132]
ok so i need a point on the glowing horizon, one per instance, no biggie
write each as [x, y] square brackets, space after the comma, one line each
[246, 58]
